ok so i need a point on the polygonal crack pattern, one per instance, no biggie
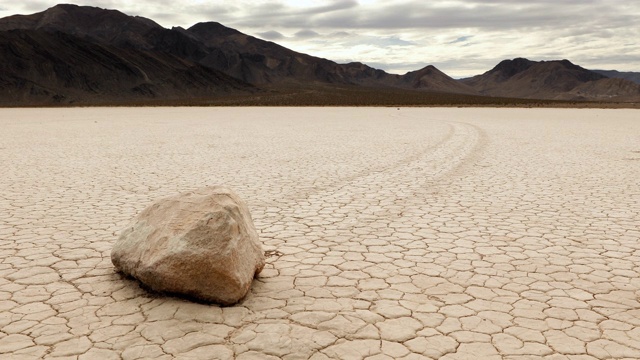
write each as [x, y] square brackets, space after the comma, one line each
[389, 233]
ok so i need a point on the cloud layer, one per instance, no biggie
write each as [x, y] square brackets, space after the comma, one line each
[461, 37]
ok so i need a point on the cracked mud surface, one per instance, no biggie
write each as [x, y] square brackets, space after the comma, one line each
[391, 234]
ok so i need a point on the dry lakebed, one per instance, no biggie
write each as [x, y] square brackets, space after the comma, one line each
[390, 233]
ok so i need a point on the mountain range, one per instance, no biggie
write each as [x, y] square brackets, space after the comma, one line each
[73, 54]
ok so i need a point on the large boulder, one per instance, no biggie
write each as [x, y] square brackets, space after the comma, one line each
[201, 244]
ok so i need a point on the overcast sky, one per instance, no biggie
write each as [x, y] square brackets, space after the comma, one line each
[460, 37]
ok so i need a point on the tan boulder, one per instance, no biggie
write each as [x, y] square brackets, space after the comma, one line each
[201, 244]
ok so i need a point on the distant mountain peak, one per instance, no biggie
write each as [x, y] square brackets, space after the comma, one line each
[87, 22]
[76, 19]
[76, 13]
[509, 68]
[430, 68]
[552, 79]
[432, 79]
[73, 6]
[212, 28]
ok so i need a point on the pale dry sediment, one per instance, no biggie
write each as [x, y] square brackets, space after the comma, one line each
[411, 233]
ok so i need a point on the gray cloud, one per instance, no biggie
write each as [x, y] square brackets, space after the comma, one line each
[339, 34]
[271, 35]
[383, 41]
[31, 6]
[276, 13]
[306, 34]
[534, 15]
[461, 39]
[334, 6]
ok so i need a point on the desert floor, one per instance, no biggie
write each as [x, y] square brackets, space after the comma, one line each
[415, 233]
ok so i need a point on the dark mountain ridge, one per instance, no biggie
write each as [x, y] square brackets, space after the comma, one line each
[556, 79]
[74, 53]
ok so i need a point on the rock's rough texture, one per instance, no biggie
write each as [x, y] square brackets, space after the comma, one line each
[201, 244]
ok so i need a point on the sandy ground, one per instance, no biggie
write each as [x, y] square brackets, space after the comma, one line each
[411, 233]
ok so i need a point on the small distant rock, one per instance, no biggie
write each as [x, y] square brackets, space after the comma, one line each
[201, 244]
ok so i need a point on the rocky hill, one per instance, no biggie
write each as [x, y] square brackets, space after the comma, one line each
[560, 79]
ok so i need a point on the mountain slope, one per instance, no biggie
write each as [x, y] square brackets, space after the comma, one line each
[109, 26]
[488, 82]
[614, 74]
[606, 89]
[558, 79]
[261, 62]
[53, 67]
[430, 78]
